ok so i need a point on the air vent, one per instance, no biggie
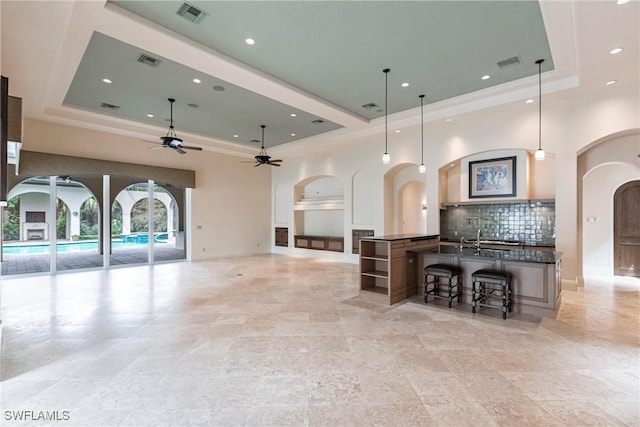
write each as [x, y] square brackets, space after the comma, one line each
[148, 60]
[109, 106]
[191, 13]
[317, 121]
[254, 141]
[369, 106]
[510, 62]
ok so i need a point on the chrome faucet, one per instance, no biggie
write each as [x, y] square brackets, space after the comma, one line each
[477, 242]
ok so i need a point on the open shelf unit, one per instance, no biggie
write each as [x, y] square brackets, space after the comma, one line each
[385, 267]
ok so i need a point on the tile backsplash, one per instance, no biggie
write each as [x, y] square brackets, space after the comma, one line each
[532, 223]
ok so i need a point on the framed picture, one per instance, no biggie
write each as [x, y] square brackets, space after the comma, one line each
[492, 178]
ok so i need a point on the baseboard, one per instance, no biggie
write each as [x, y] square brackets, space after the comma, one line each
[570, 285]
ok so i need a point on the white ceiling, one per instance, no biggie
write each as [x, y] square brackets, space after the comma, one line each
[319, 60]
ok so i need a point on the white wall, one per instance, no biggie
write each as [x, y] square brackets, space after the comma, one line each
[599, 185]
[570, 122]
[604, 167]
[230, 204]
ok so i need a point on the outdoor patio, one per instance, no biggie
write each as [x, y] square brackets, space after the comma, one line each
[22, 263]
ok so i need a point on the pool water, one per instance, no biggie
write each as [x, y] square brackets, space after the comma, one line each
[66, 247]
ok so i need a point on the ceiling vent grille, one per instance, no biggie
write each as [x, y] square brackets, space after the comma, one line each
[148, 60]
[191, 13]
[509, 62]
[369, 105]
[317, 121]
[110, 106]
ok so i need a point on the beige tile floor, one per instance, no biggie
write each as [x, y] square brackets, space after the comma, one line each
[278, 341]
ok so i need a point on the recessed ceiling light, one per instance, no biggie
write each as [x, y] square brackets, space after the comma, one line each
[250, 41]
[615, 51]
[397, 130]
[292, 114]
[611, 82]
[107, 81]
[449, 119]
[405, 84]
[150, 115]
[623, 2]
[486, 77]
[452, 164]
[235, 135]
[293, 134]
[197, 81]
[529, 101]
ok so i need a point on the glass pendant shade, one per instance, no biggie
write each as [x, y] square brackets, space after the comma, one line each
[386, 158]
[422, 168]
[539, 154]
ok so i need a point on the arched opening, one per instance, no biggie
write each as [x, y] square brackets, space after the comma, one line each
[319, 214]
[28, 232]
[137, 232]
[603, 168]
[404, 197]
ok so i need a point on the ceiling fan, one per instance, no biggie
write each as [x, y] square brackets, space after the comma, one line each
[171, 140]
[263, 158]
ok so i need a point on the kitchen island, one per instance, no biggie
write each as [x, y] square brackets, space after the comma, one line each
[536, 273]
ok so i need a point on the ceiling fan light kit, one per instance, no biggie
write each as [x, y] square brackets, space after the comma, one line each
[263, 158]
[171, 140]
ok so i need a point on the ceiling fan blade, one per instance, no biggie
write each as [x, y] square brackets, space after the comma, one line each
[279, 160]
[188, 147]
[273, 164]
[179, 150]
[257, 164]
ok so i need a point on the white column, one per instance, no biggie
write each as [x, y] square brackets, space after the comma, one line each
[106, 221]
[53, 238]
[150, 218]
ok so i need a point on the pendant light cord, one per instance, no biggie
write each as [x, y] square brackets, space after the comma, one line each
[422, 129]
[539, 62]
[386, 92]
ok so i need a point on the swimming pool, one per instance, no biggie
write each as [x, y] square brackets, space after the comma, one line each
[67, 247]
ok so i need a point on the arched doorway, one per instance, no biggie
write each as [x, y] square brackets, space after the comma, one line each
[626, 230]
[138, 231]
[33, 223]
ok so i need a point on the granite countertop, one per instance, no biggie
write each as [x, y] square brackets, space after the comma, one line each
[524, 255]
[391, 237]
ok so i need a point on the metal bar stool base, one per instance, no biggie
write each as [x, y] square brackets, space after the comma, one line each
[492, 289]
[443, 274]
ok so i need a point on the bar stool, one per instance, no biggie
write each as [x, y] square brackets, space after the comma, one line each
[435, 272]
[491, 285]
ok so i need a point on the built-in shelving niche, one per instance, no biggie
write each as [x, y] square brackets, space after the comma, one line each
[316, 200]
[319, 213]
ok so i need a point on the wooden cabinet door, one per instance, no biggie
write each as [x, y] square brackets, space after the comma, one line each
[626, 239]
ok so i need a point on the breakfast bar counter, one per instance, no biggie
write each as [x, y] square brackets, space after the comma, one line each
[536, 273]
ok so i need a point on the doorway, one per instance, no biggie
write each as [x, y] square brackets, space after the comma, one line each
[626, 230]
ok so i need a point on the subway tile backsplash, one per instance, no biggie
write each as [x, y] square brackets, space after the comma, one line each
[532, 223]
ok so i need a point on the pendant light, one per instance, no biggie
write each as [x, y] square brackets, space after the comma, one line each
[540, 151]
[386, 158]
[422, 168]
